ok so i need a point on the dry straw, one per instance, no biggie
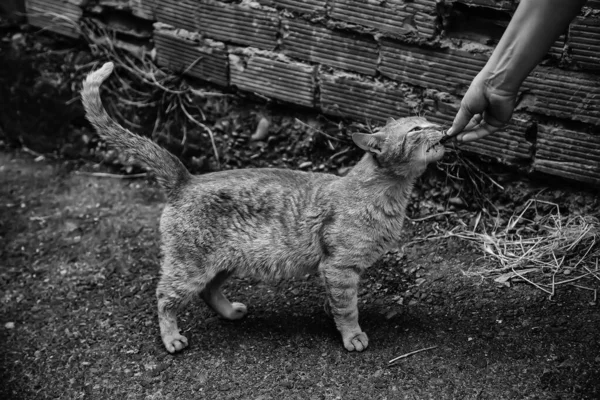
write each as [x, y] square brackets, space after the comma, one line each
[540, 246]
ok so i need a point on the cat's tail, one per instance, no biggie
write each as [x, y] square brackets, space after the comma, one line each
[169, 171]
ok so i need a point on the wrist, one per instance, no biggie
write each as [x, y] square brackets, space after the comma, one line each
[499, 80]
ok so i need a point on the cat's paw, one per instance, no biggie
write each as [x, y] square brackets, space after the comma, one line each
[357, 342]
[238, 310]
[175, 342]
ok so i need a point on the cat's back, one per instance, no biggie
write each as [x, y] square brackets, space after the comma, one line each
[253, 193]
[258, 178]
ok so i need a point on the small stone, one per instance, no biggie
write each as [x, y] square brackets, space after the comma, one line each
[9, 325]
[145, 382]
[305, 164]
[456, 201]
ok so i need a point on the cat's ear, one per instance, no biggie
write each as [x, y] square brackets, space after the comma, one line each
[371, 143]
[390, 120]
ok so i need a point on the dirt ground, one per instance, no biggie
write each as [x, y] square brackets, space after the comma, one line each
[79, 261]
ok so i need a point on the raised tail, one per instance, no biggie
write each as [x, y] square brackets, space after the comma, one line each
[169, 171]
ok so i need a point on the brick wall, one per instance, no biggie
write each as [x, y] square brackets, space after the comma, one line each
[365, 59]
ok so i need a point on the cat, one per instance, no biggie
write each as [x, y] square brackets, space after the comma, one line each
[274, 223]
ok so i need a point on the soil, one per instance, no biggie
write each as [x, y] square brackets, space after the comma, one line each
[79, 261]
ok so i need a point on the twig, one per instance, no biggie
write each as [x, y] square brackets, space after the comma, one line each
[410, 354]
[32, 152]
[340, 153]
[317, 130]
[115, 176]
[210, 132]
[429, 216]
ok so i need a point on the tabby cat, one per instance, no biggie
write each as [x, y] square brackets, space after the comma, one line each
[275, 223]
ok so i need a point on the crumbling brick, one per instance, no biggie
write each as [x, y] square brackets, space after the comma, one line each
[563, 94]
[397, 17]
[321, 45]
[177, 13]
[238, 23]
[568, 153]
[448, 70]
[274, 76]
[301, 6]
[60, 16]
[350, 96]
[143, 9]
[584, 42]
[496, 4]
[593, 4]
[182, 52]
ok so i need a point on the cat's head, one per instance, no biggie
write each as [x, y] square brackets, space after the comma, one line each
[405, 146]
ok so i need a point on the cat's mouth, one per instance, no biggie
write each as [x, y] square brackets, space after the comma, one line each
[435, 150]
[435, 146]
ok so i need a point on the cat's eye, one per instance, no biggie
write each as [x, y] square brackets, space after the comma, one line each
[416, 129]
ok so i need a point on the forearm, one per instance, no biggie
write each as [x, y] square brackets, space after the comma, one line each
[535, 25]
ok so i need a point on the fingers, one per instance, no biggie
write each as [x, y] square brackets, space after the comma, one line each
[482, 130]
[463, 117]
[473, 122]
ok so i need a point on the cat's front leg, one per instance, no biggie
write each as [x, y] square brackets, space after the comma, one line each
[341, 284]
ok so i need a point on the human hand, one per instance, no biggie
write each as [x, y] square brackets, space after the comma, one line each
[483, 110]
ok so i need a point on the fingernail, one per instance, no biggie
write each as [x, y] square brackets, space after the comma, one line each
[450, 131]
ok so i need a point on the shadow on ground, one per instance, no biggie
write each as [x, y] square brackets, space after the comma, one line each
[79, 262]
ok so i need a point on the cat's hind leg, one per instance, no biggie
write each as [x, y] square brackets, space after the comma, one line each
[178, 284]
[214, 297]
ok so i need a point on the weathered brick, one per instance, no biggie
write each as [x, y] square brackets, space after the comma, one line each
[567, 153]
[177, 13]
[444, 69]
[594, 4]
[584, 42]
[563, 94]
[509, 144]
[60, 16]
[118, 4]
[239, 23]
[302, 6]
[143, 8]
[558, 47]
[321, 45]
[350, 96]
[394, 16]
[496, 4]
[140, 8]
[275, 77]
[202, 59]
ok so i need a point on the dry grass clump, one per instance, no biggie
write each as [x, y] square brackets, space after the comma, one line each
[540, 246]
